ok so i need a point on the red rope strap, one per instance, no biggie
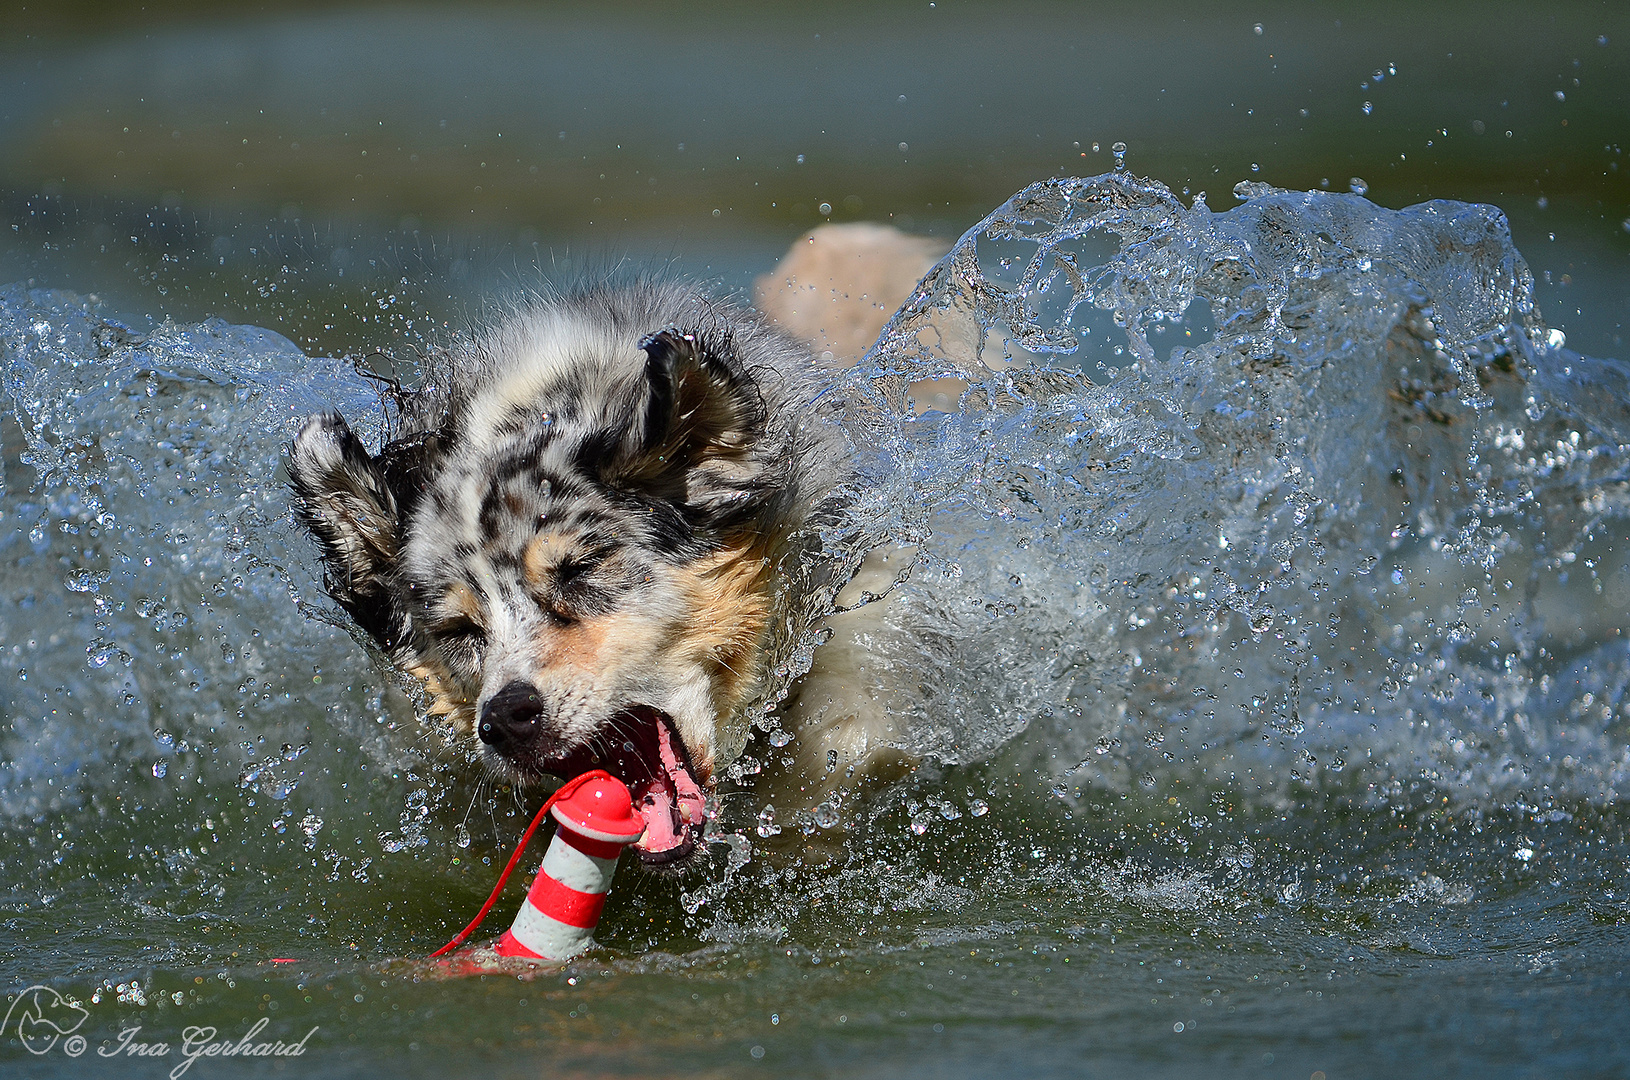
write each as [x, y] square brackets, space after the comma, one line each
[565, 790]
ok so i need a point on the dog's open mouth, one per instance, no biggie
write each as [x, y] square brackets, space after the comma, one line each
[641, 748]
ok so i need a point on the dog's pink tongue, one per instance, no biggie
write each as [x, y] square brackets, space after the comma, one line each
[656, 805]
[670, 803]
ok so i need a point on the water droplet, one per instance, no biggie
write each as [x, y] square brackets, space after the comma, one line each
[826, 815]
[780, 737]
[1357, 185]
[1368, 108]
[99, 652]
[85, 580]
[461, 835]
[826, 208]
[979, 808]
[160, 767]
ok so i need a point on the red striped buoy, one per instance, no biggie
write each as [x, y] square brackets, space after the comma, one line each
[562, 908]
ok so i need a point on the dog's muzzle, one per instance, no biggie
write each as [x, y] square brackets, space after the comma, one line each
[639, 745]
[511, 718]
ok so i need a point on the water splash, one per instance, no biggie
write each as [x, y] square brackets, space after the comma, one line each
[1299, 500]
[158, 541]
[1369, 536]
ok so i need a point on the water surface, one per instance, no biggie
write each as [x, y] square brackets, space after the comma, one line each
[1278, 718]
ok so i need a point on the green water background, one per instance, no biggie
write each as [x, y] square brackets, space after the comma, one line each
[356, 176]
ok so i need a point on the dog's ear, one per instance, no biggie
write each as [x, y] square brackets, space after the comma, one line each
[697, 437]
[697, 404]
[342, 496]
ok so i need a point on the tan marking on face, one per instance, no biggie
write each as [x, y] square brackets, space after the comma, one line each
[459, 604]
[584, 644]
[731, 595]
[445, 700]
[543, 555]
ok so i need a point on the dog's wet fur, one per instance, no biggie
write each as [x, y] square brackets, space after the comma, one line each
[575, 534]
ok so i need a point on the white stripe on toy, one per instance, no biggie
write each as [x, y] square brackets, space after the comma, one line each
[563, 906]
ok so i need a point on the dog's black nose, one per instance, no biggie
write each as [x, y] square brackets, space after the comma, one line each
[512, 716]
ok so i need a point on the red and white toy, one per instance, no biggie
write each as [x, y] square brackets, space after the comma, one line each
[563, 906]
[597, 820]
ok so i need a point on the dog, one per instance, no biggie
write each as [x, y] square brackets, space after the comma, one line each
[590, 535]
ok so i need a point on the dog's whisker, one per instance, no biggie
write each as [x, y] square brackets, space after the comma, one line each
[726, 665]
[475, 796]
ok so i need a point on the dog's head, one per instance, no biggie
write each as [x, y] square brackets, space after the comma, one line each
[577, 562]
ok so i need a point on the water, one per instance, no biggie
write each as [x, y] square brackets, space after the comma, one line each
[1270, 594]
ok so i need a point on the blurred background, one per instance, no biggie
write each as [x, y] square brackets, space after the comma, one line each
[197, 775]
[344, 171]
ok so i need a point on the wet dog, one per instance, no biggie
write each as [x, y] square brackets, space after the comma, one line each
[590, 531]
[576, 535]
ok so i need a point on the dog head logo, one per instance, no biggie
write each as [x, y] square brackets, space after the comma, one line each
[40, 1016]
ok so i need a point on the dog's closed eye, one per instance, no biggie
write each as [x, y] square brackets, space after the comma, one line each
[456, 623]
[465, 632]
[566, 577]
[570, 570]
[572, 590]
